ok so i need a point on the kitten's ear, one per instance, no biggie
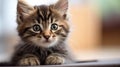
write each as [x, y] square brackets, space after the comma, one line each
[62, 6]
[23, 9]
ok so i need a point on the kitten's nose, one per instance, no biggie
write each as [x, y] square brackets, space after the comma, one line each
[46, 36]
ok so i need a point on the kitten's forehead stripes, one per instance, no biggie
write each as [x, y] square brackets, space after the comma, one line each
[39, 18]
[44, 14]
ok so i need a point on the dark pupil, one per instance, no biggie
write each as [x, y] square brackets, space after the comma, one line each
[36, 28]
[54, 27]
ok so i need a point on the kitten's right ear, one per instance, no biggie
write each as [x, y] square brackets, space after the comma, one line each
[23, 10]
[62, 6]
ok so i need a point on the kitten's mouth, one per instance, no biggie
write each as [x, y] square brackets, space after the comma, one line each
[47, 41]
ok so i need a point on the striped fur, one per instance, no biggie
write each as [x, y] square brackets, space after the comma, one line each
[43, 30]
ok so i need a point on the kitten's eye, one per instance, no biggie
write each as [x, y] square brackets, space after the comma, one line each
[54, 26]
[36, 28]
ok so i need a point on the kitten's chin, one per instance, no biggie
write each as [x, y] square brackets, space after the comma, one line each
[46, 44]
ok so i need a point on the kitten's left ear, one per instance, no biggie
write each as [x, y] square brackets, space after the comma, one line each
[62, 6]
[24, 10]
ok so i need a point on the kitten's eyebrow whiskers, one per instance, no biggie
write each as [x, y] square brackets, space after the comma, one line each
[39, 15]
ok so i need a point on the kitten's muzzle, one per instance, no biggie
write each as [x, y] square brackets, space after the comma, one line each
[46, 37]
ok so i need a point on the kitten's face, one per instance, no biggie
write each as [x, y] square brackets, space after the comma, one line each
[44, 26]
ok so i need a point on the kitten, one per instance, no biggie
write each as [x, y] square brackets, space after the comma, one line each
[43, 31]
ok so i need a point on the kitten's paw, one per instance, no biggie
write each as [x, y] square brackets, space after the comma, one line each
[54, 60]
[29, 60]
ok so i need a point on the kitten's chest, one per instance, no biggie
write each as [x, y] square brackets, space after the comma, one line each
[43, 54]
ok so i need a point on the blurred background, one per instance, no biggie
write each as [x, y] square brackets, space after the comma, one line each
[95, 28]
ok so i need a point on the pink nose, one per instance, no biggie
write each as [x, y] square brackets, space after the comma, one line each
[46, 36]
